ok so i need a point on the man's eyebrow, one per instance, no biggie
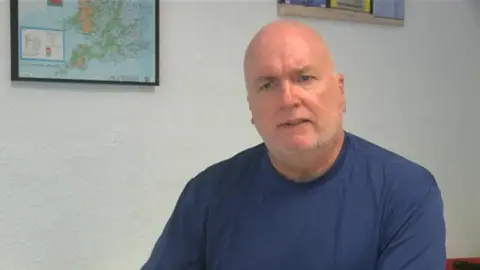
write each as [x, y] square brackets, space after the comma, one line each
[264, 79]
[300, 70]
[304, 69]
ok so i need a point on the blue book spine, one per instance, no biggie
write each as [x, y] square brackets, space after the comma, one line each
[393, 9]
[316, 3]
[295, 2]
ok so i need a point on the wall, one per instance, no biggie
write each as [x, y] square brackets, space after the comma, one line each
[89, 175]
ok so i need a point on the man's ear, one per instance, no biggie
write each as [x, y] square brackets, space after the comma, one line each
[341, 87]
[250, 108]
[341, 83]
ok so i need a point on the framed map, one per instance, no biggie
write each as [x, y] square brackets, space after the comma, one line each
[85, 41]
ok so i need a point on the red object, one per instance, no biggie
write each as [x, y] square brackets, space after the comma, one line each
[451, 260]
[57, 2]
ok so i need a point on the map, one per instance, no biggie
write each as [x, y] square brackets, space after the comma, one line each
[88, 40]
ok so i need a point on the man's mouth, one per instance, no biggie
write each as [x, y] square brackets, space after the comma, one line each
[294, 122]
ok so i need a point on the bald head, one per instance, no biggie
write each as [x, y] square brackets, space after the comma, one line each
[291, 79]
[287, 35]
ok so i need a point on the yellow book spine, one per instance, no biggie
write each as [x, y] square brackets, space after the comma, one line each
[366, 6]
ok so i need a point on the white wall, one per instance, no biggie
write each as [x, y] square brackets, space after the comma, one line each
[89, 175]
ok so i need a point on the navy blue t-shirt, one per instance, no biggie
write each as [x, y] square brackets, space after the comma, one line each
[373, 210]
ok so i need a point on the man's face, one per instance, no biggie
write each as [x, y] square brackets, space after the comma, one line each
[296, 99]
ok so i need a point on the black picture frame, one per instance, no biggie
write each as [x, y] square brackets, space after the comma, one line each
[15, 52]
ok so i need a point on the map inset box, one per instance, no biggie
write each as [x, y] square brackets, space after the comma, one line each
[42, 44]
[85, 41]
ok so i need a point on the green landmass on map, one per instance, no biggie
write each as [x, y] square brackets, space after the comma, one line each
[110, 34]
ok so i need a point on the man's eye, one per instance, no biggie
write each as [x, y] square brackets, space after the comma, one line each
[304, 78]
[266, 86]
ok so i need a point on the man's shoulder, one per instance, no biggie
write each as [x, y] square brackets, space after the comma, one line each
[231, 169]
[398, 172]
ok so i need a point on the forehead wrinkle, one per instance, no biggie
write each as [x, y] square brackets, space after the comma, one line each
[281, 43]
[289, 54]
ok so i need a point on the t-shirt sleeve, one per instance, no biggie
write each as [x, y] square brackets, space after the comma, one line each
[413, 233]
[181, 246]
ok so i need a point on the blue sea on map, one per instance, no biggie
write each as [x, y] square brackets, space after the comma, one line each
[117, 41]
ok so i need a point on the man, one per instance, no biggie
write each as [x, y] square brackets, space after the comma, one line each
[312, 196]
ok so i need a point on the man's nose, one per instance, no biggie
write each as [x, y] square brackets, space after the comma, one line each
[288, 94]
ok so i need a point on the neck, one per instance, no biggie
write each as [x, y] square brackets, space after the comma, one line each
[308, 165]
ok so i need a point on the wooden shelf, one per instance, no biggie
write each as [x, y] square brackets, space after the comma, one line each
[334, 14]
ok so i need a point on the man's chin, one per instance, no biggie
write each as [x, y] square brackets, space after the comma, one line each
[298, 146]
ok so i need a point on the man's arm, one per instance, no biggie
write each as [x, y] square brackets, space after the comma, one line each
[413, 234]
[181, 246]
